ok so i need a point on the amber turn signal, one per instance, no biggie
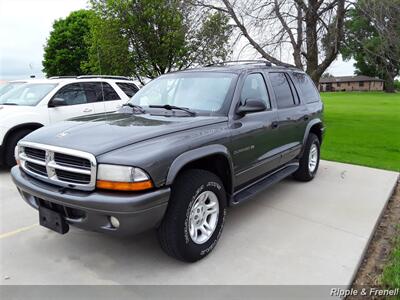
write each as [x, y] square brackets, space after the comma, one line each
[124, 186]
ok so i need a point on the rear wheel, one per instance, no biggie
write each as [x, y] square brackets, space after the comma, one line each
[12, 141]
[195, 216]
[309, 161]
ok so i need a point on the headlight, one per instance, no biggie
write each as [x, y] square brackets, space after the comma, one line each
[122, 178]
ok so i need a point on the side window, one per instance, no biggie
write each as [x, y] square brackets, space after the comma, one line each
[109, 93]
[254, 88]
[73, 94]
[95, 91]
[283, 93]
[306, 86]
[128, 88]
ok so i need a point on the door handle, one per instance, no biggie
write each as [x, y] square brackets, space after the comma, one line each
[274, 125]
[87, 109]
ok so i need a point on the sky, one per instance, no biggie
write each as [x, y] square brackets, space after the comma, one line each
[26, 24]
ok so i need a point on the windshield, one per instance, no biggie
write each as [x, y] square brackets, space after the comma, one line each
[202, 92]
[6, 87]
[28, 94]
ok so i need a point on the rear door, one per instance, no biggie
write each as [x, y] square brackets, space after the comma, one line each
[103, 96]
[291, 116]
[76, 103]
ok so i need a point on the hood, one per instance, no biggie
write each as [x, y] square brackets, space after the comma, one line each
[8, 112]
[98, 134]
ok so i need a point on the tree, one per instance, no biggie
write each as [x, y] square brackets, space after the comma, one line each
[373, 39]
[327, 75]
[147, 38]
[66, 49]
[311, 31]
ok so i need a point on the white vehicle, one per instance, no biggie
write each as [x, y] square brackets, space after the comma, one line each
[39, 102]
[10, 85]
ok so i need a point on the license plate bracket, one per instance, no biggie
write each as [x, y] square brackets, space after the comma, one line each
[52, 220]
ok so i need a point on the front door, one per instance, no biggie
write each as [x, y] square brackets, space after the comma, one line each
[254, 136]
[75, 103]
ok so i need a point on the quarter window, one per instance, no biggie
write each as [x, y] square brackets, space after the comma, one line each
[254, 88]
[128, 88]
[307, 88]
[282, 90]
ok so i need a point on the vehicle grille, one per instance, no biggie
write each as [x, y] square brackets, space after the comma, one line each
[60, 166]
[73, 177]
[71, 161]
[36, 168]
[35, 153]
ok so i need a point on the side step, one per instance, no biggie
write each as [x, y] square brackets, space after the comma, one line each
[260, 185]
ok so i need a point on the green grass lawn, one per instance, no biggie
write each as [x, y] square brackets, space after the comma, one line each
[362, 128]
[391, 272]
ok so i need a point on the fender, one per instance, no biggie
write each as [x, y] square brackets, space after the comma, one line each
[31, 125]
[309, 125]
[195, 154]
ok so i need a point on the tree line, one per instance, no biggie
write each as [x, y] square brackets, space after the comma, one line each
[147, 38]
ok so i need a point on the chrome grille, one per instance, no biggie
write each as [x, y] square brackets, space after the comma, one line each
[71, 161]
[60, 166]
[35, 153]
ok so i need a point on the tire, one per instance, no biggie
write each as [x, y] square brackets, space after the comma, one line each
[12, 141]
[175, 232]
[307, 171]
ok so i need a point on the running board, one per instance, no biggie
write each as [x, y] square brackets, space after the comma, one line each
[260, 185]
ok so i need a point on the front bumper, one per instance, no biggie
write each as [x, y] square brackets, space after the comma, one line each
[91, 210]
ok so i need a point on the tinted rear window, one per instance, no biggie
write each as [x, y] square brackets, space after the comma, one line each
[307, 89]
[128, 88]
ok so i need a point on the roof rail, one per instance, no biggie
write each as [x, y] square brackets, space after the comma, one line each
[104, 76]
[60, 77]
[245, 62]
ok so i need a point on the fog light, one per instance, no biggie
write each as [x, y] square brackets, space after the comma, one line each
[114, 222]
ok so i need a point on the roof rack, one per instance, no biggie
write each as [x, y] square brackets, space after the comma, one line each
[245, 62]
[60, 77]
[103, 76]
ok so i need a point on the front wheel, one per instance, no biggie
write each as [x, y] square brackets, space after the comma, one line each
[11, 144]
[309, 161]
[195, 216]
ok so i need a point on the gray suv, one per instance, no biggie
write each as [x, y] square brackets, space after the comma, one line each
[183, 149]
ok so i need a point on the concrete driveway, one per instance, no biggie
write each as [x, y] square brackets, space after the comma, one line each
[294, 233]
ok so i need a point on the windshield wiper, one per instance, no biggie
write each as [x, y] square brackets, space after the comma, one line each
[8, 103]
[135, 107]
[171, 107]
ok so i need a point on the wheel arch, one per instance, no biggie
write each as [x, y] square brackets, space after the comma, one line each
[24, 126]
[214, 158]
[315, 126]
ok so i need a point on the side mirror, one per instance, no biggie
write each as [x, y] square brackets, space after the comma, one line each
[250, 106]
[55, 102]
